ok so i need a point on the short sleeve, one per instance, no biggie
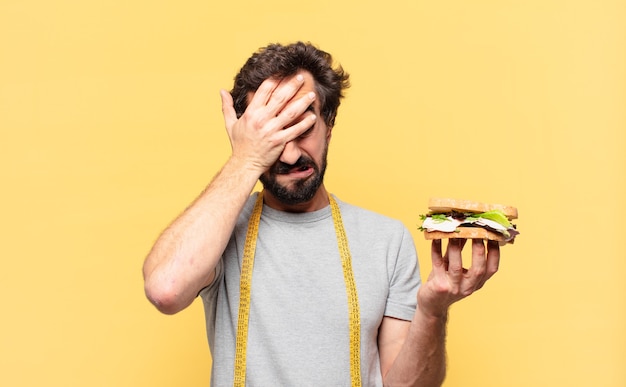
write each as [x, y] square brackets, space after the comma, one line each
[404, 280]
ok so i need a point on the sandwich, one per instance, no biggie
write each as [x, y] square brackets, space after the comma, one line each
[466, 219]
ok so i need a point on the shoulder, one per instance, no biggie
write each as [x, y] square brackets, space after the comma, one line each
[365, 219]
[363, 213]
[246, 211]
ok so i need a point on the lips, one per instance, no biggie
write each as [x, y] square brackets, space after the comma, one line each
[300, 172]
[301, 169]
[285, 169]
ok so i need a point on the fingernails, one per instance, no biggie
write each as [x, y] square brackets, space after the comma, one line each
[311, 95]
[300, 77]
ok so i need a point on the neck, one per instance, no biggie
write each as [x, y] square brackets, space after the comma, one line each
[319, 201]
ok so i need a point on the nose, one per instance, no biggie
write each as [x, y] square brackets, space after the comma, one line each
[291, 153]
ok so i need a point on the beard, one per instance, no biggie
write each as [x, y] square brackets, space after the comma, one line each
[300, 191]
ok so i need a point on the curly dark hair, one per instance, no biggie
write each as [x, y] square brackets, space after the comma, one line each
[281, 61]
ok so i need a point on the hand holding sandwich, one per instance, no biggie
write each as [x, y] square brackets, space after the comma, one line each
[458, 221]
[449, 281]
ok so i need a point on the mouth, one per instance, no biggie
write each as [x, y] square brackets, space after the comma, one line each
[301, 168]
[298, 167]
[299, 172]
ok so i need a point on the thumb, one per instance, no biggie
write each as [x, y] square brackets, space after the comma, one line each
[228, 109]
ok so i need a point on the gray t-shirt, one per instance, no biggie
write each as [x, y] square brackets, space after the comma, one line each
[298, 327]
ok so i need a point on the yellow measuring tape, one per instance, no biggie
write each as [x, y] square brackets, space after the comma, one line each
[354, 316]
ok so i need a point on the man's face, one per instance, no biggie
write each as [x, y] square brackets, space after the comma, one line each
[299, 172]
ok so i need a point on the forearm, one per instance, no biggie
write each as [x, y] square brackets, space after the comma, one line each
[185, 255]
[422, 359]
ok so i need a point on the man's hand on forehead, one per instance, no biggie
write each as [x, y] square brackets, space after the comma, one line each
[280, 102]
[278, 112]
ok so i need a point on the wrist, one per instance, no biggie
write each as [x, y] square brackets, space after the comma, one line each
[431, 311]
[439, 316]
[240, 165]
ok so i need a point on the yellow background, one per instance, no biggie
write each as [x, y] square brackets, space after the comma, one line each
[110, 125]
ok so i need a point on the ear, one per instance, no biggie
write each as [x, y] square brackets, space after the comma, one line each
[329, 134]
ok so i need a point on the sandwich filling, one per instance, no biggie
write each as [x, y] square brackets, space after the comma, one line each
[494, 221]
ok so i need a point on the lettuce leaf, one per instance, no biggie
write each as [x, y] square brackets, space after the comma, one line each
[497, 216]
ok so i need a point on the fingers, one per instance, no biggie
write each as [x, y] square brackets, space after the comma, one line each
[283, 94]
[273, 94]
[493, 258]
[439, 264]
[295, 119]
[281, 104]
[455, 261]
[485, 263]
[476, 273]
[263, 93]
[289, 111]
[448, 281]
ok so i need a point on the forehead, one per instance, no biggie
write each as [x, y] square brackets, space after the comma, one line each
[307, 86]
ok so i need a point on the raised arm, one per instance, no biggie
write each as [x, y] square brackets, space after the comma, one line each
[413, 353]
[184, 257]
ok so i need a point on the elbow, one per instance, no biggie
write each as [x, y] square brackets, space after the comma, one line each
[164, 303]
[164, 297]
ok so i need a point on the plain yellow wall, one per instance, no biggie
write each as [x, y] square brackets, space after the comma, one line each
[110, 125]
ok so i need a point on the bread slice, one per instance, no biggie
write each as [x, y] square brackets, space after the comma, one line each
[466, 233]
[443, 205]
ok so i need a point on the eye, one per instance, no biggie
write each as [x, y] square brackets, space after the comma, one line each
[308, 132]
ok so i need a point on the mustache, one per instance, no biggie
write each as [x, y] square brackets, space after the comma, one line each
[302, 162]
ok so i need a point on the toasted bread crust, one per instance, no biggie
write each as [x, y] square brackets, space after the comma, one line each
[442, 205]
[465, 233]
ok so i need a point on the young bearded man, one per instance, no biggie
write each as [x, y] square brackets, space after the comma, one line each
[299, 287]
